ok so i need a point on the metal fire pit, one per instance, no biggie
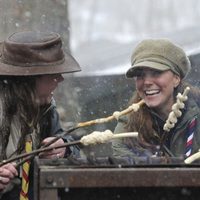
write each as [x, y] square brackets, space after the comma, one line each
[103, 179]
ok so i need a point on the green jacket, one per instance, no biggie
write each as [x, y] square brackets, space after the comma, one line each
[177, 137]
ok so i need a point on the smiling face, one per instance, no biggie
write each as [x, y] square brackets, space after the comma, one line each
[157, 88]
[45, 86]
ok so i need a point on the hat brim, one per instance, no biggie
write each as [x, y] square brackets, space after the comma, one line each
[68, 66]
[147, 64]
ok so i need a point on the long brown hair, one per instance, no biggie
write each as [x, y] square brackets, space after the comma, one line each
[17, 97]
[142, 122]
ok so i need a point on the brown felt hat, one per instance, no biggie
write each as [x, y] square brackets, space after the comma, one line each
[159, 54]
[30, 53]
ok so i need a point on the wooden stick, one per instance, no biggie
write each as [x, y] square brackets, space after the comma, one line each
[116, 115]
[35, 152]
[123, 135]
[133, 107]
[98, 140]
[192, 158]
[48, 144]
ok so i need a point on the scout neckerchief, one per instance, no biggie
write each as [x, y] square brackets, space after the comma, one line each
[190, 136]
[25, 171]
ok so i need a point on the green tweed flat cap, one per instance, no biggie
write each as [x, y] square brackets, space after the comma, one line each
[159, 54]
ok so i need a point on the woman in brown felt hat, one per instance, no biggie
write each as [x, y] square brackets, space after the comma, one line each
[31, 67]
[158, 69]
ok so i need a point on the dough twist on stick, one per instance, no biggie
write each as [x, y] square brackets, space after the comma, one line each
[192, 158]
[134, 107]
[95, 137]
[176, 110]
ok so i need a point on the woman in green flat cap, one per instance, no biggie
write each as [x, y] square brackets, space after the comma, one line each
[158, 69]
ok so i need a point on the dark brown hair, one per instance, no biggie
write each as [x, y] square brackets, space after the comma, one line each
[17, 97]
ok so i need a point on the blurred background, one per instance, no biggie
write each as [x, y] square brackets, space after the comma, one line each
[101, 35]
